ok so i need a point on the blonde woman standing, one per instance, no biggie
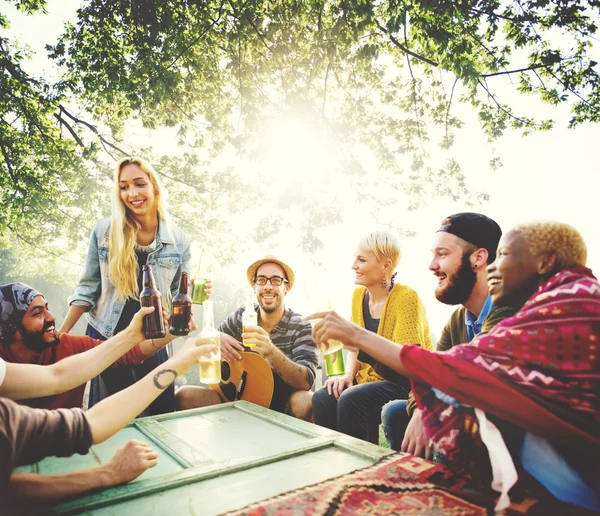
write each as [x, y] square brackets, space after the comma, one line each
[137, 233]
[352, 403]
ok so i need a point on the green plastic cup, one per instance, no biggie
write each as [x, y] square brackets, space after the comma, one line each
[334, 363]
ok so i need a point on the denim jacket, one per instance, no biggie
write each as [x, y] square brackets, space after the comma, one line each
[96, 294]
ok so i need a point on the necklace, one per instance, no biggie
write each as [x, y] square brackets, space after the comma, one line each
[150, 247]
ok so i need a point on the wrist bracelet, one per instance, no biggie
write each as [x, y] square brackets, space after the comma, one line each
[152, 342]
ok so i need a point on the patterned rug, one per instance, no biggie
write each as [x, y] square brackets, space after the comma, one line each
[400, 484]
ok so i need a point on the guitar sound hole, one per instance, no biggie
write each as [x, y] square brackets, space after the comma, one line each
[228, 391]
[225, 371]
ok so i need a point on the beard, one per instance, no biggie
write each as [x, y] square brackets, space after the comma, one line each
[459, 284]
[34, 340]
[271, 308]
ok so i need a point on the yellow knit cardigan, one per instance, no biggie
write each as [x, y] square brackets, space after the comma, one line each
[403, 320]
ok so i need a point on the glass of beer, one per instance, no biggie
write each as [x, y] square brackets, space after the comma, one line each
[249, 317]
[210, 362]
[331, 346]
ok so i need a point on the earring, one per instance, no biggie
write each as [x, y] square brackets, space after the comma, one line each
[383, 283]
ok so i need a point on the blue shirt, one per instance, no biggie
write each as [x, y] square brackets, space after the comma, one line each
[474, 325]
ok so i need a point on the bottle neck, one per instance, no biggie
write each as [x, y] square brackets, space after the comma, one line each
[209, 319]
[148, 278]
[183, 283]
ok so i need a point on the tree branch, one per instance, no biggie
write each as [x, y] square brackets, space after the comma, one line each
[214, 22]
[404, 49]
[75, 136]
[56, 255]
[92, 128]
[501, 107]
[414, 93]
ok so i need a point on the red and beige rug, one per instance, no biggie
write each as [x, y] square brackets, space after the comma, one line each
[399, 484]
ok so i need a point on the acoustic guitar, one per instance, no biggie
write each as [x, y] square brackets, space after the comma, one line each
[249, 379]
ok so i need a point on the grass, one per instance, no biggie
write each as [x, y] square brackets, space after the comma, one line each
[382, 440]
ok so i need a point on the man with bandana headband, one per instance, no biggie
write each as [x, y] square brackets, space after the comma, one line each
[464, 245]
[28, 336]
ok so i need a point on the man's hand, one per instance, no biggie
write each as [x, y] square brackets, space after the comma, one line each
[332, 326]
[131, 461]
[261, 340]
[136, 326]
[193, 348]
[230, 348]
[167, 320]
[337, 384]
[415, 441]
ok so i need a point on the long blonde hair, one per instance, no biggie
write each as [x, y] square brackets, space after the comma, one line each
[122, 262]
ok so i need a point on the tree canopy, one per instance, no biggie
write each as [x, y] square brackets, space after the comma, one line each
[373, 78]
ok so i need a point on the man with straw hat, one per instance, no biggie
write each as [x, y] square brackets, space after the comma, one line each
[280, 337]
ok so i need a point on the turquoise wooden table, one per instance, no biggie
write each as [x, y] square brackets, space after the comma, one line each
[216, 459]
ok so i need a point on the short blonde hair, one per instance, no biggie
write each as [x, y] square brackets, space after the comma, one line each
[558, 237]
[383, 245]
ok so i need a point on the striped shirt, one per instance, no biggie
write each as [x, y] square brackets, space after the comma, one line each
[292, 336]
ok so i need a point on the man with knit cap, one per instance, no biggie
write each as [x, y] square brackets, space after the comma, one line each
[464, 245]
[281, 338]
[28, 336]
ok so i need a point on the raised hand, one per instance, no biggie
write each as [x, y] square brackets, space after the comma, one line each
[332, 326]
[230, 348]
[260, 338]
[136, 325]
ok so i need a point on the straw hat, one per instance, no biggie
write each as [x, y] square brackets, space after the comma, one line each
[251, 272]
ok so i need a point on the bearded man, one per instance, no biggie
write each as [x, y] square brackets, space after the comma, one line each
[522, 402]
[281, 337]
[464, 245]
[28, 336]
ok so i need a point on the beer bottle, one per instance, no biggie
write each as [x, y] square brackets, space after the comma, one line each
[249, 317]
[153, 324]
[181, 312]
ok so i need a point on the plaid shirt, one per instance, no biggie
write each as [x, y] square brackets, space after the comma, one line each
[292, 336]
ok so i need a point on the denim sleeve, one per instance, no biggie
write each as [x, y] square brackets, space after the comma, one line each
[87, 291]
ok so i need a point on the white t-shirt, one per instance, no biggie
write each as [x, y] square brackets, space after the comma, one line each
[2, 370]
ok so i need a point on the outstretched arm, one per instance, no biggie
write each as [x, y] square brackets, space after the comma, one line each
[24, 381]
[113, 413]
[127, 464]
[104, 420]
[333, 326]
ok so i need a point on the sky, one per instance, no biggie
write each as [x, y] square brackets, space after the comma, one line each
[549, 175]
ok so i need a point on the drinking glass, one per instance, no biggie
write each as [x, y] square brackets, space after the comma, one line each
[334, 363]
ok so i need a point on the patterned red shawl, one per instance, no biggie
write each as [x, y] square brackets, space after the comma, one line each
[537, 370]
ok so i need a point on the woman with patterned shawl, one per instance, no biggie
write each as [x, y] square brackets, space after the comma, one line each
[530, 389]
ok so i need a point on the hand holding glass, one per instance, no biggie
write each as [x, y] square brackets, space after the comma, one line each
[210, 361]
[332, 345]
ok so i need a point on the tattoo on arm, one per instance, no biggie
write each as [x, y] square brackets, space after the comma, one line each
[157, 378]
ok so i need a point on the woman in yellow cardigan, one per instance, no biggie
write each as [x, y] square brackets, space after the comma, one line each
[352, 403]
